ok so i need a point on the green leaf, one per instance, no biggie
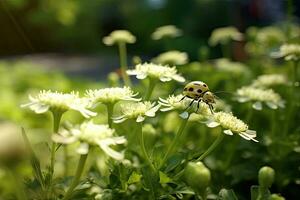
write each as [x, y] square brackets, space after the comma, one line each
[163, 178]
[134, 178]
[225, 194]
[34, 161]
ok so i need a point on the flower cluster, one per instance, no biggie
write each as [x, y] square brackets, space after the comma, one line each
[289, 52]
[119, 36]
[172, 58]
[178, 103]
[111, 95]
[166, 31]
[258, 95]
[137, 111]
[226, 65]
[60, 102]
[231, 124]
[269, 36]
[90, 134]
[268, 80]
[224, 35]
[156, 71]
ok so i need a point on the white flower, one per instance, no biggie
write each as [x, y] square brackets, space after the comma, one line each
[155, 71]
[176, 103]
[172, 58]
[119, 36]
[224, 35]
[268, 80]
[248, 93]
[289, 52]
[90, 134]
[269, 36]
[226, 65]
[111, 95]
[137, 111]
[166, 31]
[60, 102]
[231, 124]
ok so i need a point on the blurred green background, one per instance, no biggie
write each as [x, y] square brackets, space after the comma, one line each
[75, 26]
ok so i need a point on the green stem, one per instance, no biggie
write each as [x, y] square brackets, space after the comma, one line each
[77, 176]
[212, 147]
[175, 141]
[66, 161]
[151, 86]
[142, 144]
[110, 111]
[226, 50]
[123, 62]
[294, 72]
[56, 122]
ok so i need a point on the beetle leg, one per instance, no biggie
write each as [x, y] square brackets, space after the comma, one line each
[198, 104]
[211, 108]
[182, 98]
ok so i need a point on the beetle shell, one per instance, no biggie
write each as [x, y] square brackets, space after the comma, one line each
[195, 89]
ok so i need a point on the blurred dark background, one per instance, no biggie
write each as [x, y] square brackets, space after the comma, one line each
[76, 26]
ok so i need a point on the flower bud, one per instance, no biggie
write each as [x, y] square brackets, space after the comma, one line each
[266, 176]
[136, 60]
[276, 197]
[113, 79]
[197, 175]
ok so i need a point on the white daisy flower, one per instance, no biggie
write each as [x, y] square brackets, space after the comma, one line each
[60, 102]
[268, 80]
[289, 52]
[231, 124]
[170, 31]
[224, 35]
[268, 96]
[137, 111]
[172, 58]
[119, 36]
[155, 71]
[177, 103]
[89, 134]
[111, 95]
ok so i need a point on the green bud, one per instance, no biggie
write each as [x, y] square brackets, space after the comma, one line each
[276, 197]
[197, 175]
[266, 176]
[136, 60]
[113, 79]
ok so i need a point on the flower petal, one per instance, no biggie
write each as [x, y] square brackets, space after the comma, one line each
[39, 108]
[184, 115]
[63, 140]
[140, 118]
[105, 146]
[83, 148]
[212, 124]
[257, 105]
[272, 105]
[228, 132]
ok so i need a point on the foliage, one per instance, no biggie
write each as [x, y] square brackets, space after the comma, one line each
[159, 146]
